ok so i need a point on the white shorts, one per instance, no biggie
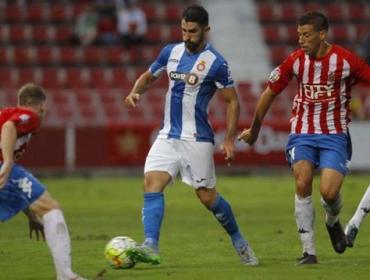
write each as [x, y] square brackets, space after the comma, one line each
[194, 160]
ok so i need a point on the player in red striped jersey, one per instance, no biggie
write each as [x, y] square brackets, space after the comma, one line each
[20, 190]
[319, 125]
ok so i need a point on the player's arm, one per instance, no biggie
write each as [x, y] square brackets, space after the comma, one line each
[140, 86]
[8, 140]
[232, 117]
[35, 224]
[250, 135]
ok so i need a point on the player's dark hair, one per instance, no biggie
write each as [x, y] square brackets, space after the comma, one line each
[31, 95]
[196, 13]
[318, 20]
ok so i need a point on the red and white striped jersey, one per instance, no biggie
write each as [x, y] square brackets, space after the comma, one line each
[27, 123]
[321, 105]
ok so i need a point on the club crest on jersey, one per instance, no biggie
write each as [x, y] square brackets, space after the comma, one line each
[201, 66]
[275, 75]
[191, 79]
[331, 77]
[24, 118]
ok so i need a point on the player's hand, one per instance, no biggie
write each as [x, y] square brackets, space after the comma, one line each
[248, 136]
[4, 174]
[132, 100]
[228, 149]
[35, 224]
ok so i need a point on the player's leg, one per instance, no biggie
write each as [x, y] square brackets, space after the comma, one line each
[304, 210]
[160, 167]
[198, 170]
[354, 224]
[302, 156]
[222, 211]
[56, 235]
[330, 184]
[335, 155]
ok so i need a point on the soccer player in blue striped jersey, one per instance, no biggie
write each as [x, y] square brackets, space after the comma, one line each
[185, 141]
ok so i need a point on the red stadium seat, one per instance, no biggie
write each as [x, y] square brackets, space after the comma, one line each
[44, 55]
[154, 34]
[68, 55]
[173, 13]
[74, 78]
[63, 34]
[98, 78]
[119, 78]
[13, 13]
[289, 13]
[50, 78]
[60, 98]
[88, 115]
[35, 13]
[59, 13]
[271, 34]
[4, 56]
[362, 30]
[92, 55]
[335, 12]
[339, 33]
[151, 12]
[113, 55]
[357, 12]
[6, 79]
[291, 35]
[66, 115]
[40, 34]
[175, 34]
[22, 56]
[266, 13]
[17, 34]
[26, 75]
[84, 97]
[310, 6]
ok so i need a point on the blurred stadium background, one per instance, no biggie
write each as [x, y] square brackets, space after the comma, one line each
[88, 129]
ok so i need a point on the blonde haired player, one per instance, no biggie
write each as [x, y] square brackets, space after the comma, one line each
[19, 190]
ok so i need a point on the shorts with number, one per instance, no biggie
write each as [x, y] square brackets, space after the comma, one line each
[194, 161]
[322, 150]
[19, 193]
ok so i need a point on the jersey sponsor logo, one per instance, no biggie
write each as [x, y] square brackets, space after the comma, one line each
[275, 75]
[173, 60]
[318, 93]
[191, 79]
[201, 66]
[24, 118]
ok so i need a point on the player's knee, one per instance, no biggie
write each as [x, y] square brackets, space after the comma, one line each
[303, 187]
[329, 196]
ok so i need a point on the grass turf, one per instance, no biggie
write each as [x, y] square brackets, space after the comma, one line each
[193, 245]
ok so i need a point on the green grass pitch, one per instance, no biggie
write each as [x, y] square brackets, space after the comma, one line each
[192, 243]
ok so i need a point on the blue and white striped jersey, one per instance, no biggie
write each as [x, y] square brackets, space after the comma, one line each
[193, 80]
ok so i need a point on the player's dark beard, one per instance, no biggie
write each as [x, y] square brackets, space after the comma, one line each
[192, 46]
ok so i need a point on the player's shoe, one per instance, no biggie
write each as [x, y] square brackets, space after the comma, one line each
[307, 259]
[350, 232]
[144, 254]
[337, 237]
[247, 256]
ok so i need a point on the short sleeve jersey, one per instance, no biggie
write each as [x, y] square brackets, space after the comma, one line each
[27, 123]
[193, 80]
[321, 105]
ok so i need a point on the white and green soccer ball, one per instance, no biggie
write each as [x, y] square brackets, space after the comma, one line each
[115, 252]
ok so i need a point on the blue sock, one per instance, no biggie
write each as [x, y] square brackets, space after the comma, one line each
[153, 212]
[222, 211]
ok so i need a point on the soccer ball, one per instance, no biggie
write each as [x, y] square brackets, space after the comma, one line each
[115, 254]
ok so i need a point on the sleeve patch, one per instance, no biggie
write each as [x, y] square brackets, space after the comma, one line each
[275, 75]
